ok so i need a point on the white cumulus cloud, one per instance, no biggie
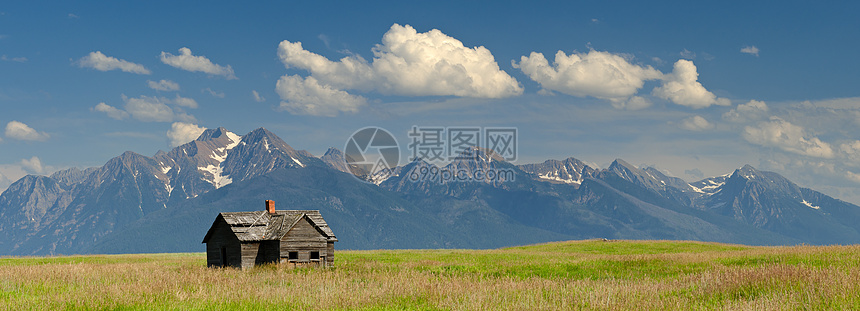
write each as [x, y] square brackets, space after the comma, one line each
[33, 165]
[213, 92]
[597, 74]
[21, 131]
[257, 97]
[852, 176]
[9, 173]
[696, 123]
[409, 63]
[101, 62]
[185, 102]
[163, 85]
[308, 96]
[111, 111]
[13, 59]
[186, 61]
[685, 53]
[752, 50]
[156, 109]
[181, 132]
[683, 88]
[632, 103]
[752, 110]
[781, 134]
[148, 109]
[851, 151]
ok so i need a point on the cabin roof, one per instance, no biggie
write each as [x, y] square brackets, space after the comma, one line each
[263, 226]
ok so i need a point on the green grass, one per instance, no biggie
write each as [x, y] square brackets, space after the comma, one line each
[94, 259]
[551, 260]
[590, 274]
[629, 247]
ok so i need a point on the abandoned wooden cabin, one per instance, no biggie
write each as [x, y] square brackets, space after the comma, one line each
[245, 239]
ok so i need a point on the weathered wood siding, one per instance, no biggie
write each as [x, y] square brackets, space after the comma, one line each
[330, 254]
[249, 254]
[223, 236]
[304, 238]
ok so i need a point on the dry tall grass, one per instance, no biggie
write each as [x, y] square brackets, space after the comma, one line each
[538, 278]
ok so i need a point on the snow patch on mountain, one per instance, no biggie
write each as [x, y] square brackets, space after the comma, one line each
[219, 155]
[713, 185]
[297, 162]
[218, 180]
[554, 176]
[810, 205]
[234, 138]
[709, 186]
[381, 176]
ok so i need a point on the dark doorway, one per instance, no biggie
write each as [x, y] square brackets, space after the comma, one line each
[223, 256]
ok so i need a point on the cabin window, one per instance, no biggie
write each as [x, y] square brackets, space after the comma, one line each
[315, 255]
[294, 255]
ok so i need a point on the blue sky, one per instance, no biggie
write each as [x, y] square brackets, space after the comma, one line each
[694, 89]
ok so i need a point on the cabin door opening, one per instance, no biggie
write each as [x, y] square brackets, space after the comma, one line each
[223, 256]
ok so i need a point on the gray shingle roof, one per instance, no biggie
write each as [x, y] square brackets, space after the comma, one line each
[262, 226]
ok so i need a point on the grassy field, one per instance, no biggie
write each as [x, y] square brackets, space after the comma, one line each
[613, 275]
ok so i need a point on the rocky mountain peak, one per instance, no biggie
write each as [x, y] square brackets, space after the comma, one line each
[260, 134]
[569, 171]
[126, 159]
[750, 176]
[210, 134]
[72, 175]
[474, 155]
[332, 151]
[625, 170]
[334, 158]
[747, 171]
[648, 177]
[621, 165]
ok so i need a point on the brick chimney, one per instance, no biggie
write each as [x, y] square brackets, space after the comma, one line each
[270, 206]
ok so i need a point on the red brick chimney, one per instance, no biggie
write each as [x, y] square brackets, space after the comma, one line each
[270, 206]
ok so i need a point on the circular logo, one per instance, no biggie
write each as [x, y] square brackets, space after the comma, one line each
[372, 154]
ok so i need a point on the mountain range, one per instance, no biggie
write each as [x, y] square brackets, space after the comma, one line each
[165, 203]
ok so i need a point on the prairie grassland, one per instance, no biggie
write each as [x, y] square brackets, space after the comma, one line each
[615, 275]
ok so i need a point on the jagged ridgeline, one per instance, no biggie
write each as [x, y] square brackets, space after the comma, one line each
[165, 203]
